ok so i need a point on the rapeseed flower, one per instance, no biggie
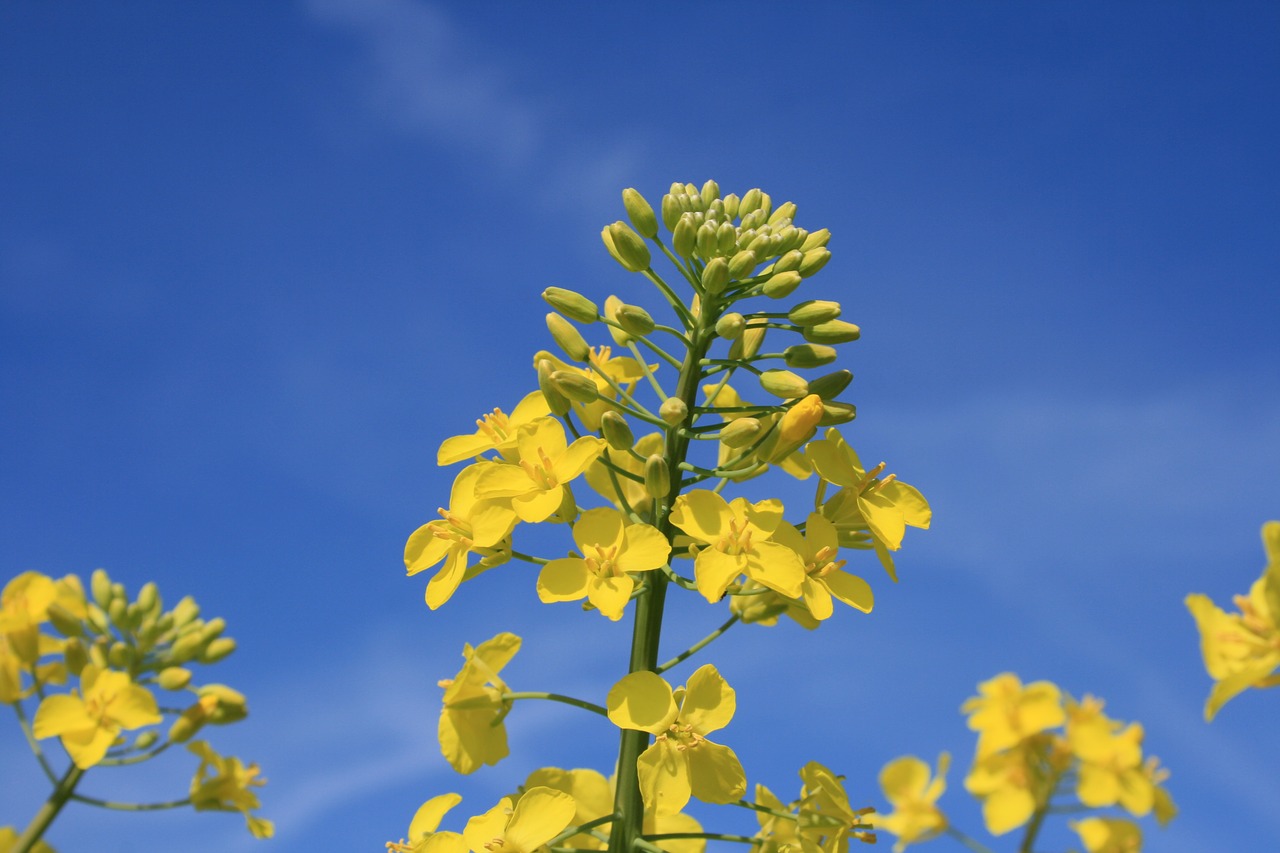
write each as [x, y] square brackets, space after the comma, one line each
[825, 577]
[610, 549]
[471, 730]
[89, 723]
[1006, 713]
[494, 432]
[523, 826]
[1108, 835]
[914, 796]
[225, 783]
[426, 820]
[535, 485]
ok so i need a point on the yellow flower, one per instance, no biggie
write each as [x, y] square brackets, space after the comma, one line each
[1242, 650]
[24, 605]
[739, 536]
[1006, 713]
[11, 669]
[633, 493]
[824, 575]
[777, 433]
[826, 817]
[536, 485]
[681, 761]
[779, 832]
[1111, 771]
[592, 795]
[88, 724]
[1005, 783]
[1108, 835]
[611, 550]
[537, 817]
[469, 525]
[471, 732]
[914, 797]
[495, 431]
[426, 820]
[224, 784]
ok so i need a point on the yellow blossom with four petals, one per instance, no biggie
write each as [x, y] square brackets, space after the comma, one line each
[611, 549]
[471, 731]
[89, 723]
[535, 485]
[913, 792]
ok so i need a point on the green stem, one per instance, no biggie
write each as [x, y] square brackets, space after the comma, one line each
[1037, 817]
[972, 843]
[528, 558]
[644, 366]
[581, 828]
[686, 317]
[134, 759]
[711, 836]
[61, 793]
[552, 697]
[695, 283]
[132, 807]
[756, 807]
[698, 646]
[34, 744]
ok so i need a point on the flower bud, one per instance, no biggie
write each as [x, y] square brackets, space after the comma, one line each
[814, 260]
[217, 650]
[835, 413]
[673, 410]
[749, 343]
[635, 320]
[146, 740]
[657, 477]
[188, 723]
[671, 211]
[685, 236]
[74, 655]
[788, 262]
[715, 276]
[185, 611]
[829, 387]
[726, 239]
[626, 246]
[568, 338]
[557, 402]
[640, 213]
[710, 192]
[731, 205]
[174, 678]
[786, 210]
[118, 612]
[798, 424]
[730, 326]
[230, 705]
[100, 585]
[575, 386]
[816, 240]
[572, 304]
[119, 655]
[784, 384]
[781, 284]
[740, 432]
[808, 355]
[832, 332]
[213, 629]
[707, 242]
[97, 619]
[763, 609]
[616, 430]
[186, 647]
[611, 306]
[813, 312]
[750, 202]
[65, 621]
[742, 264]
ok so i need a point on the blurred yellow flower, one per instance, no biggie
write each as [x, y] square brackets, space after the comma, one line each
[914, 796]
[1006, 713]
[89, 723]
[426, 820]
[537, 817]
[471, 732]
[1108, 835]
[224, 784]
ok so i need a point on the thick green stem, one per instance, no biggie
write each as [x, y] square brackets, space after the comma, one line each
[36, 829]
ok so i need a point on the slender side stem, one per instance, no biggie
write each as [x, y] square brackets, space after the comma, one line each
[756, 807]
[694, 282]
[972, 843]
[582, 828]
[713, 836]
[34, 744]
[134, 759]
[132, 807]
[698, 646]
[61, 793]
[676, 303]
[553, 697]
[644, 366]
[528, 558]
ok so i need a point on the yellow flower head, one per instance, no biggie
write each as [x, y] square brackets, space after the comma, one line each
[1006, 713]
[24, 605]
[739, 536]
[914, 796]
[611, 549]
[495, 431]
[89, 723]
[681, 762]
[537, 817]
[825, 815]
[535, 486]
[1108, 835]
[1006, 783]
[825, 577]
[471, 732]
[426, 820]
[468, 525]
[225, 783]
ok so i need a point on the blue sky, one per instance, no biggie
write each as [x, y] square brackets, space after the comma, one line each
[258, 260]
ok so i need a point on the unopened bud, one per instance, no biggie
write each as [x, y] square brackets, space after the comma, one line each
[185, 611]
[816, 240]
[813, 312]
[835, 413]
[671, 211]
[575, 386]
[806, 356]
[616, 430]
[742, 264]
[146, 740]
[100, 586]
[798, 424]
[188, 723]
[118, 611]
[657, 477]
[685, 236]
[750, 202]
[557, 402]
[213, 629]
[74, 655]
[740, 432]
[726, 238]
[781, 284]
[731, 204]
[829, 387]
[626, 246]
[217, 650]
[832, 332]
[230, 704]
[119, 655]
[635, 320]
[715, 276]
[611, 306]
[788, 262]
[640, 213]
[786, 210]
[749, 343]
[707, 242]
[65, 621]
[186, 647]
[673, 410]
[710, 192]
[174, 678]
[572, 304]
[730, 326]
[567, 337]
[784, 384]
[814, 260]
[148, 597]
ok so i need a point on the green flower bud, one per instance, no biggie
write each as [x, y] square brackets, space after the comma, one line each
[808, 355]
[685, 236]
[616, 431]
[627, 247]
[568, 338]
[786, 210]
[760, 244]
[575, 386]
[742, 264]
[572, 304]
[64, 621]
[657, 477]
[185, 611]
[671, 211]
[148, 597]
[781, 284]
[814, 260]
[766, 206]
[829, 387]
[98, 654]
[640, 213]
[556, 401]
[832, 332]
[100, 585]
[749, 343]
[74, 655]
[731, 206]
[673, 410]
[635, 320]
[835, 413]
[187, 724]
[710, 192]
[217, 650]
[789, 261]
[146, 740]
[97, 619]
[740, 432]
[707, 242]
[231, 705]
[174, 678]
[133, 616]
[726, 239]
[784, 384]
[213, 629]
[731, 326]
[118, 612]
[186, 647]
[813, 312]
[816, 240]
[118, 591]
[750, 203]
[715, 276]
[763, 609]
[611, 306]
[120, 655]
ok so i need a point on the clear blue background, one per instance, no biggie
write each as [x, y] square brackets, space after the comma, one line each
[258, 260]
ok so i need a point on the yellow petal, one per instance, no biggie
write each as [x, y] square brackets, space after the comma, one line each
[134, 706]
[664, 778]
[501, 480]
[88, 747]
[482, 830]
[445, 583]
[709, 701]
[817, 598]
[540, 815]
[883, 517]
[702, 514]
[600, 527]
[645, 549]
[714, 570]
[575, 459]
[491, 522]
[610, 595]
[469, 740]
[424, 549]
[1007, 809]
[61, 714]
[642, 701]
[775, 566]
[715, 774]
[850, 589]
[429, 814]
[563, 580]
[538, 505]
[904, 779]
